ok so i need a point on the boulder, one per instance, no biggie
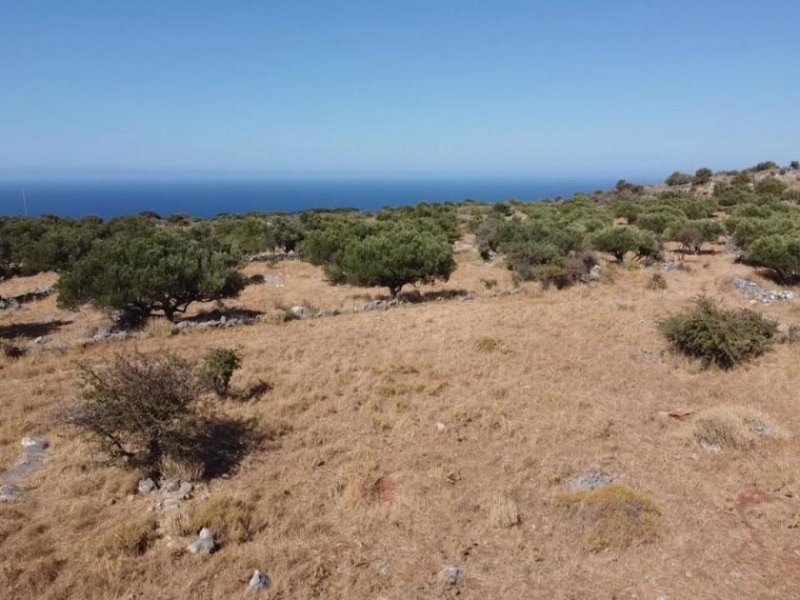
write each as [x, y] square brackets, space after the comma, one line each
[204, 544]
[146, 486]
[259, 581]
[589, 482]
[300, 311]
[32, 444]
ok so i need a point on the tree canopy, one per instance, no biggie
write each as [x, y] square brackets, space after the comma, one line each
[159, 270]
[396, 256]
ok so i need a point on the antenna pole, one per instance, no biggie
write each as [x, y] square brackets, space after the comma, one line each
[25, 202]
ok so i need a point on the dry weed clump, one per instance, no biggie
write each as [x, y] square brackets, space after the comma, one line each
[130, 537]
[488, 345]
[734, 427]
[503, 512]
[231, 519]
[620, 516]
[657, 282]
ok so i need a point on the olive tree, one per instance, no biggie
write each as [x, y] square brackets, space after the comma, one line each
[618, 241]
[397, 256]
[158, 270]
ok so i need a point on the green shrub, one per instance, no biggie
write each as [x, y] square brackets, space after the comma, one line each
[217, 370]
[678, 178]
[770, 186]
[764, 166]
[702, 176]
[724, 338]
[657, 282]
[780, 253]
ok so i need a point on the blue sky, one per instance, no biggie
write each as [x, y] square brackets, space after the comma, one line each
[401, 87]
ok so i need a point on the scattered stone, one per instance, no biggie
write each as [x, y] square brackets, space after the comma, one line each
[170, 485]
[10, 493]
[8, 304]
[32, 444]
[589, 482]
[757, 293]
[185, 489]
[169, 504]
[259, 581]
[382, 305]
[710, 448]
[453, 575]
[592, 275]
[146, 486]
[204, 544]
[440, 427]
[386, 571]
[301, 312]
[762, 430]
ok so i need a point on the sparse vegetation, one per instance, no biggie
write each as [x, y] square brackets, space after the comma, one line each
[147, 412]
[678, 178]
[725, 338]
[733, 427]
[218, 369]
[657, 282]
[620, 516]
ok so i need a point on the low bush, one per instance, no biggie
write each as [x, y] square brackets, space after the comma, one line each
[657, 282]
[725, 338]
[702, 176]
[217, 369]
[147, 412]
[678, 178]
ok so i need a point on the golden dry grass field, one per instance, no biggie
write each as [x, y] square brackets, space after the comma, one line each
[397, 443]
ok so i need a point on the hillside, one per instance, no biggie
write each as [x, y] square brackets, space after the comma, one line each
[396, 443]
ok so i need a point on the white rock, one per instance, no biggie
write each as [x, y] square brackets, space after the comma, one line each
[453, 575]
[35, 444]
[259, 581]
[146, 486]
[204, 544]
[300, 311]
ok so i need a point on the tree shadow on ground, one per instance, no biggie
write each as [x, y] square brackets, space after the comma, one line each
[29, 330]
[229, 313]
[415, 296]
[223, 443]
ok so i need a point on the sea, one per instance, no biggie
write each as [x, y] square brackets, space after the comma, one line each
[206, 198]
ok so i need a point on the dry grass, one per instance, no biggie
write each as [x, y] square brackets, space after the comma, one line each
[736, 427]
[354, 474]
[230, 519]
[503, 512]
[619, 515]
[130, 537]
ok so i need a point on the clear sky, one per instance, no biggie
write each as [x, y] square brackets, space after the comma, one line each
[439, 87]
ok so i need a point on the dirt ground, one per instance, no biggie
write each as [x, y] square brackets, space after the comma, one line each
[397, 443]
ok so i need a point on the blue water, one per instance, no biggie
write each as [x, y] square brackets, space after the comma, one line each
[202, 198]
